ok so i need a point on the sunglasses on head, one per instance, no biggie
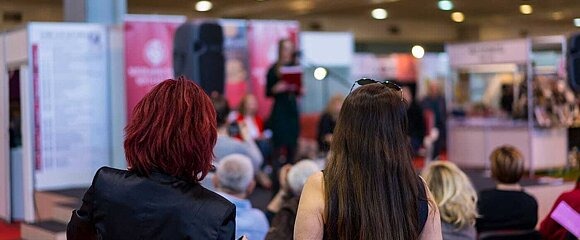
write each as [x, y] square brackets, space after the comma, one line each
[389, 84]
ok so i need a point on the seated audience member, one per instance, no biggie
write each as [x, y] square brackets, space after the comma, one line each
[234, 180]
[328, 122]
[247, 116]
[455, 198]
[227, 144]
[285, 203]
[507, 212]
[369, 189]
[550, 229]
[168, 145]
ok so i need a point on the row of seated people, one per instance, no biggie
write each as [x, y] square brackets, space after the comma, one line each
[368, 189]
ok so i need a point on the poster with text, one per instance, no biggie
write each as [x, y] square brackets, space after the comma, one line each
[263, 37]
[71, 103]
[148, 54]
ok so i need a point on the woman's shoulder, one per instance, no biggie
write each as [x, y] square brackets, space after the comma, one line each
[314, 188]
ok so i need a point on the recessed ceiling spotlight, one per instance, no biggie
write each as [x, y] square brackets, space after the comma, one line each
[203, 6]
[457, 17]
[558, 15]
[379, 13]
[418, 51]
[577, 22]
[445, 5]
[526, 9]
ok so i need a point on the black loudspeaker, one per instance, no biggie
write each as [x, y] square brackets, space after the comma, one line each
[573, 62]
[198, 54]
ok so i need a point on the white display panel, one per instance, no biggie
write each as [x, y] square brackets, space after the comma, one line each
[71, 107]
[327, 48]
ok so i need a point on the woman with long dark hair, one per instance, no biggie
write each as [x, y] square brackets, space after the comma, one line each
[369, 189]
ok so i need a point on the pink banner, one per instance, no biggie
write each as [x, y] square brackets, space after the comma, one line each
[148, 54]
[263, 37]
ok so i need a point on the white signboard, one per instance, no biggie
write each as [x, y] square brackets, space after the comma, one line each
[70, 80]
[494, 52]
[327, 48]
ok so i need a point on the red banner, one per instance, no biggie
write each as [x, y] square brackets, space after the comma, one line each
[263, 37]
[148, 54]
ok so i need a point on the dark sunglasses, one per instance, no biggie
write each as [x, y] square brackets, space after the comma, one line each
[389, 84]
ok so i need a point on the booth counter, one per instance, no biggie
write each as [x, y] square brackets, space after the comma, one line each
[471, 142]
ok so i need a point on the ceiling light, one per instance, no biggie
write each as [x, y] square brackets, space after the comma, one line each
[457, 17]
[577, 22]
[203, 6]
[379, 13]
[320, 73]
[526, 9]
[445, 5]
[558, 15]
[418, 51]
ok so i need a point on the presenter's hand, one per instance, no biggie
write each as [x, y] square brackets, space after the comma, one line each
[280, 87]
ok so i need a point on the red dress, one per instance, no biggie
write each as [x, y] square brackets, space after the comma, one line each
[549, 228]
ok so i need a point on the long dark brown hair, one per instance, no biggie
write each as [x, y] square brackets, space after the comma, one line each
[371, 189]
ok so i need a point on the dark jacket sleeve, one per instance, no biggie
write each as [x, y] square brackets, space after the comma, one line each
[282, 226]
[272, 79]
[227, 230]
[81, 225]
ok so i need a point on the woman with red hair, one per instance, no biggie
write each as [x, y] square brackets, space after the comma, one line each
[168, 145]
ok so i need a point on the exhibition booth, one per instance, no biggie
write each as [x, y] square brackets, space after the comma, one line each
[495, 97]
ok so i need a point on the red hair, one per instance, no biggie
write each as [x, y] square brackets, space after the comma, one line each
[173, 130]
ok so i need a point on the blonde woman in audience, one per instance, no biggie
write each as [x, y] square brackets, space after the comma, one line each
[455, 197]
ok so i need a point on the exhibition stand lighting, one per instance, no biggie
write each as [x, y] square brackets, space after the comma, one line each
[445, 5]
[577, 22]
[558, 15]
[526, 9]
[458, 17]
[379, 13]
[203, 6]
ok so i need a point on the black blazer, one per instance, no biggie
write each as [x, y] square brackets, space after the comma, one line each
[123, 205]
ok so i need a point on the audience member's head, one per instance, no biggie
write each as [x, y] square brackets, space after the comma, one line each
[434, 89]
[222, 109]
[369, 170]
[299, 173]
[248, 105]
[453, 192]
[173, 129]
[507, 164]
[334, 105]
[235, 175]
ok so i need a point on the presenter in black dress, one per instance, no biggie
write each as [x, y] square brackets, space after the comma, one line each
[284, 117]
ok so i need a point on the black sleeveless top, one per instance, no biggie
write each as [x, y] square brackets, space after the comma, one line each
[422, 206]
